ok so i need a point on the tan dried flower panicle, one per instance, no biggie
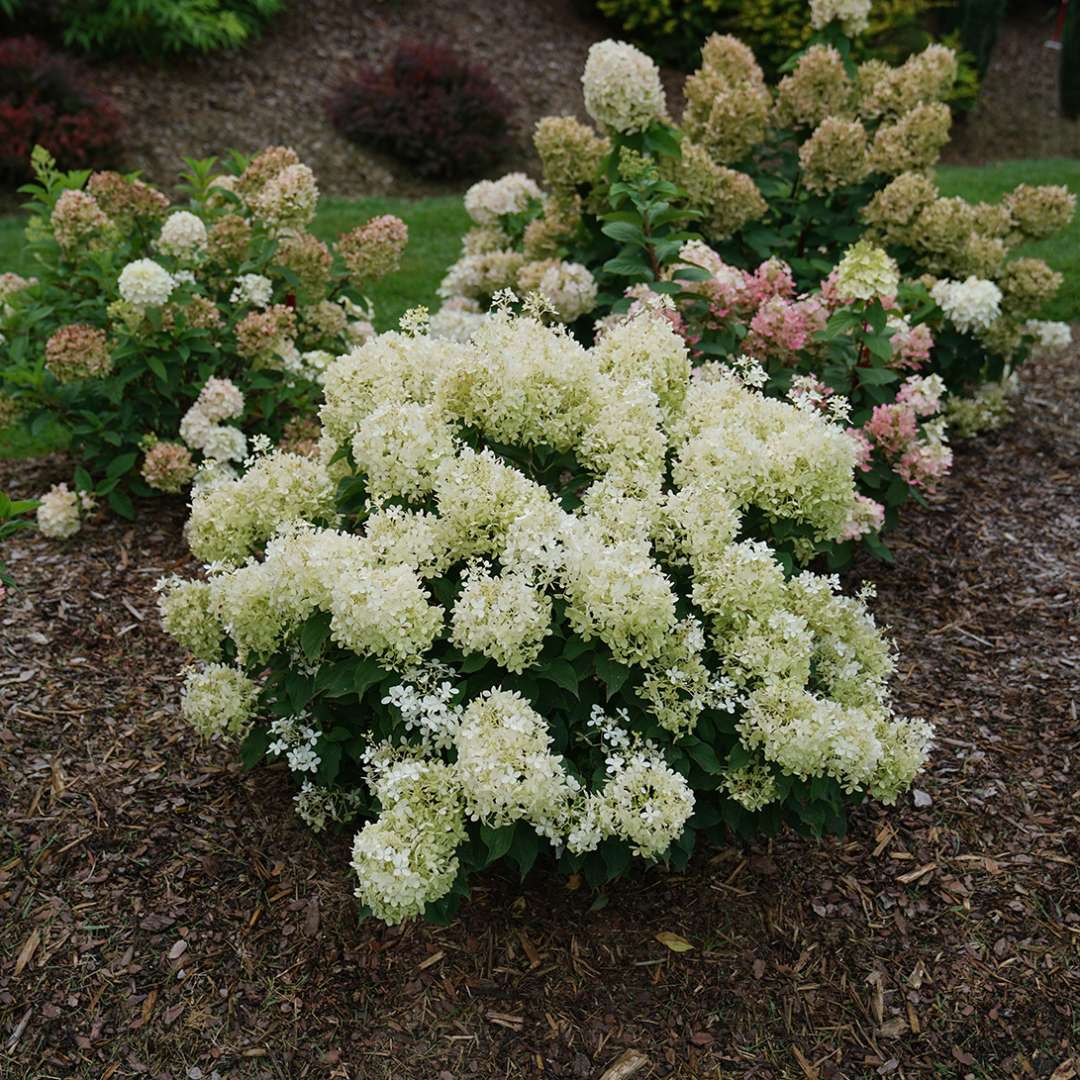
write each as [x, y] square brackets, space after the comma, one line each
[727, 102]
[126, 199]
[893, 209]
[729, 199]
[1027, 285]
[373, 250]
[570, 152]
[78, 351]
[228, 240]
[913, 142]
[309, 259]
[834, 156]
[818, 87]
[1039, 212]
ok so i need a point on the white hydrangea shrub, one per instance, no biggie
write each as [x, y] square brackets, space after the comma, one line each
[532, 598]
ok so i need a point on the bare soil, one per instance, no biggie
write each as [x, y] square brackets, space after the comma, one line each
[162, 911]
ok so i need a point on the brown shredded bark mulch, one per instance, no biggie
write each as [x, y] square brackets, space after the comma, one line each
[274, 90]
[164, 914]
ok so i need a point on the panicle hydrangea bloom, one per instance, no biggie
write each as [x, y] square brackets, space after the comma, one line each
[262, 336]
[568, 286]
[145, 283]
[1039, 212]
[988, 408]
[220, 399]
[866, 272]
[503, 617]
[218, 700]
[479, 277]
[853, 15]
[570, 153]
[77, 221]
[622, 87]
[183, 235]
[489, 200]
[78, 351]
[124, 199]
[457, 320]
[228, 520]
[505, 766]
[406, 858]
[729, 199]
[10, 285]
[374, 249]
[228, 240]
[187, 614]
[59, 512]
[254, 289]
[971, 304]
[834, 156]
[288, 199]
[912, 142]
[1052, 337]
[309, 259]
[1027, 284]
[818, 87]
[727, 102]
[263, 168]
[168, 466]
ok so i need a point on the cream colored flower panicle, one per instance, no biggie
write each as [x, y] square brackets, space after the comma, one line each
[144, 283]
[853, 15]
[622, 86]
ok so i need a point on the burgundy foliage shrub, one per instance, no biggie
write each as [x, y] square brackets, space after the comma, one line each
[428, 107]
[45, 98]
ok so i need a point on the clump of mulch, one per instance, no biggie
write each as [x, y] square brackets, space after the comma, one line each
[163, 913]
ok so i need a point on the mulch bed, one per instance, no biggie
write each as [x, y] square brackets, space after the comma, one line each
[274, 90]
[163, 913]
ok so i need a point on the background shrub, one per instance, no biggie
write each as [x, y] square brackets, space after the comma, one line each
[46, 100]
[671, 31]
[150, 27]
[978, 23]
[428, 107]
[1070, 65]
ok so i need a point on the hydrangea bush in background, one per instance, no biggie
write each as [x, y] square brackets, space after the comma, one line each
[536, 600]
[161, 338]
[742, 217]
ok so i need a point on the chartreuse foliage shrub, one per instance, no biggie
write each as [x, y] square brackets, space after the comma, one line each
[796, 223]
[541, 602]
[151, 27]
[671, 31]
[47, 99]
[160, 338]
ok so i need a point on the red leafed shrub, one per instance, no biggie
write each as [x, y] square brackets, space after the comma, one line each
[45, 99]
[429, 108]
